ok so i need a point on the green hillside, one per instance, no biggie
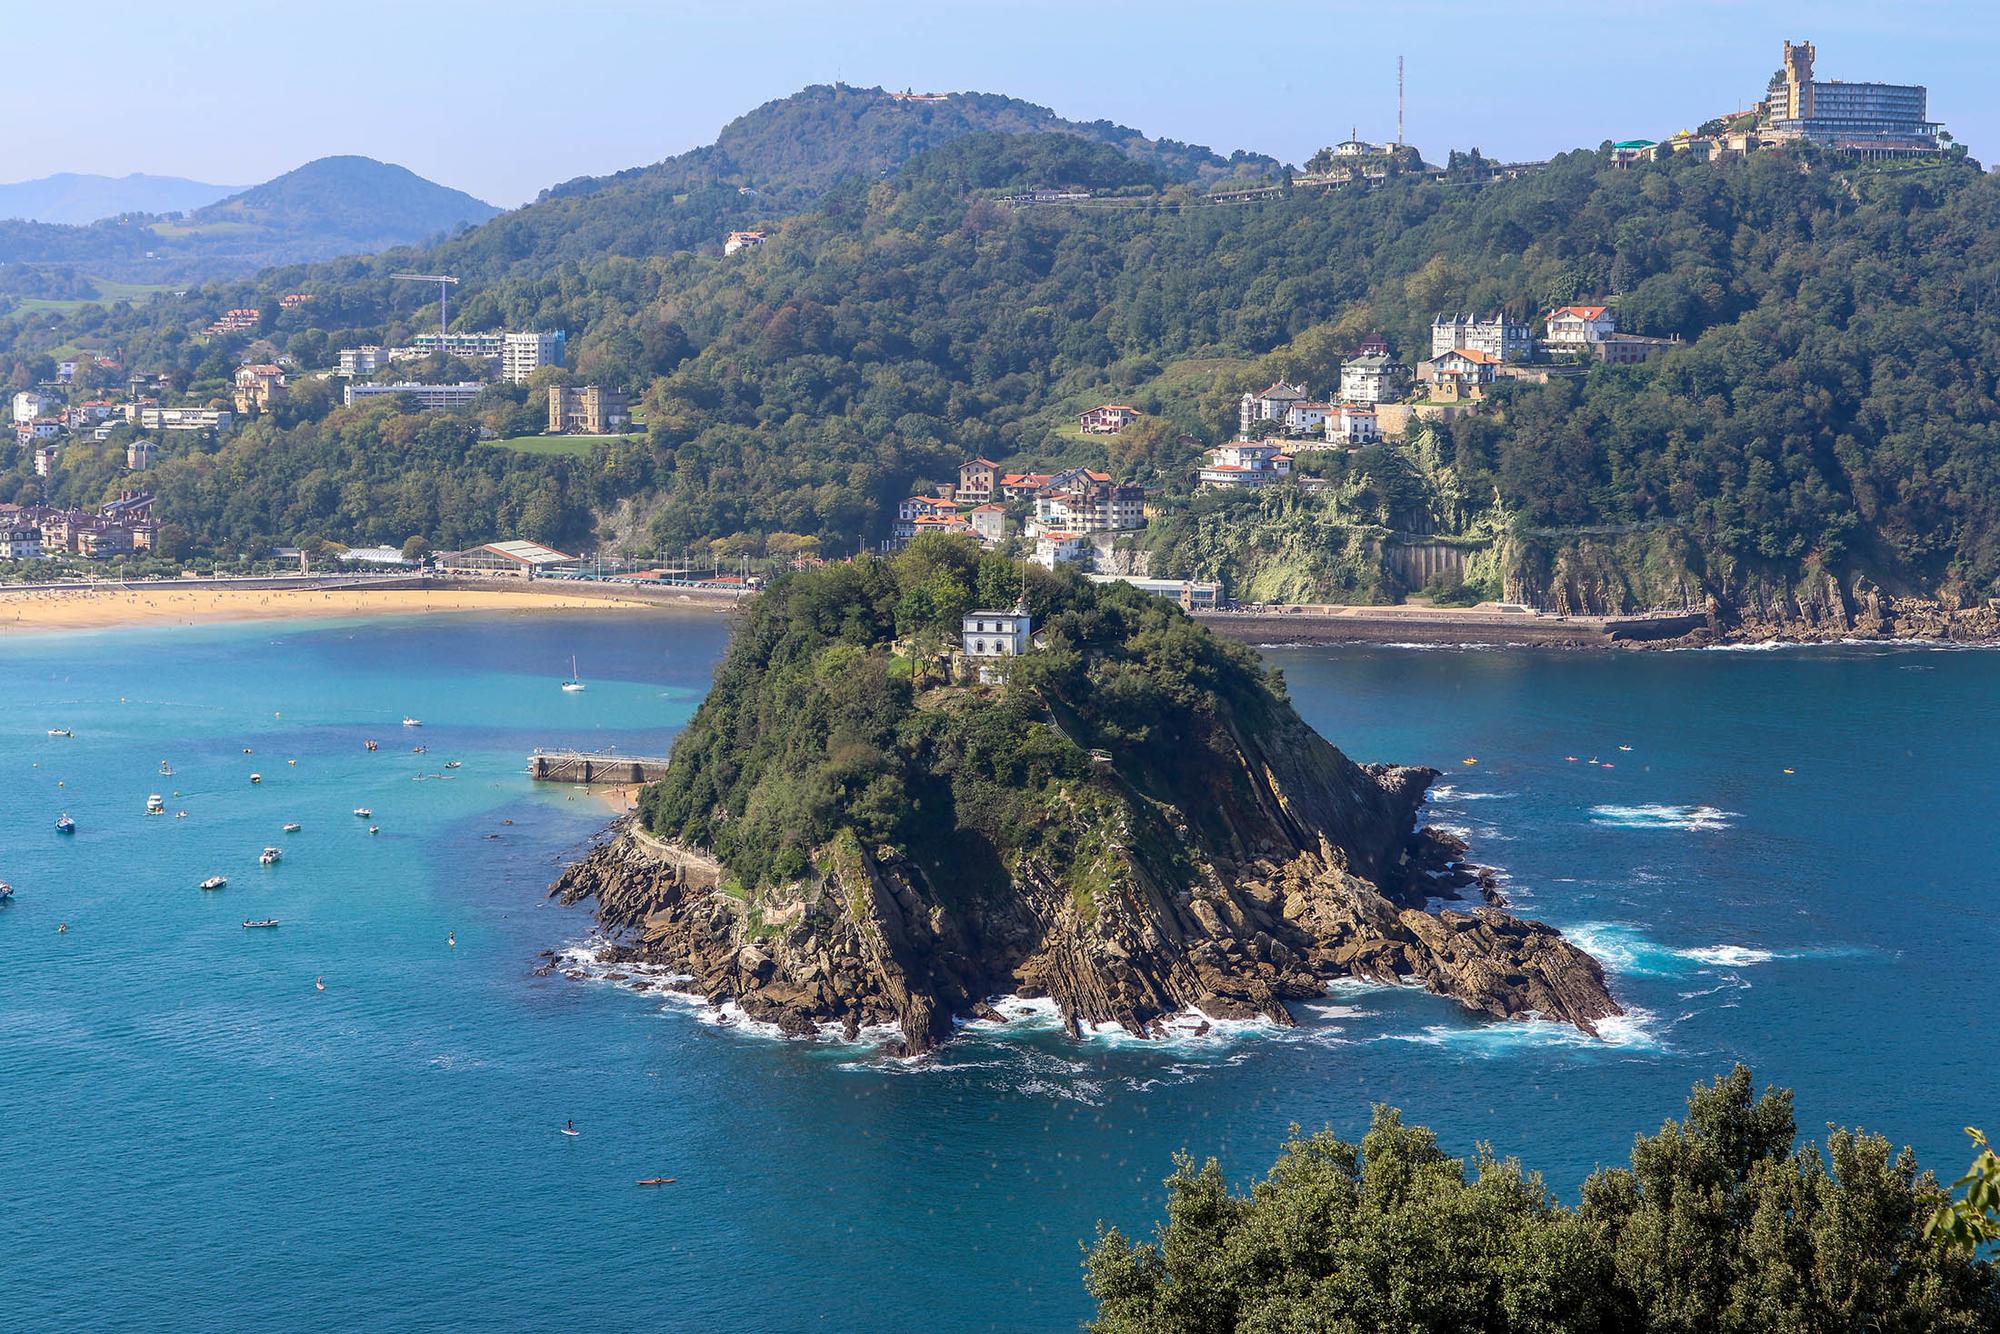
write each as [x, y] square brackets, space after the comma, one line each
[1831, 413]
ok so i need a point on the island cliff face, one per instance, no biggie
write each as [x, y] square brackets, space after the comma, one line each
[1134, 825]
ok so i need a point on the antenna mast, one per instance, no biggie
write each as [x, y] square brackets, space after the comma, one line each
[1399, 101]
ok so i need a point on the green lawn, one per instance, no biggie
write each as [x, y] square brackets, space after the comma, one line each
[107, 292]
[573, 446]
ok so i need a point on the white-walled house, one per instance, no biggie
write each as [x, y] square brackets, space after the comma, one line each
[1245, 463]
[996, 634]
[1058, 548]
[1578, 328]
[1372, 379]
[1354, 424]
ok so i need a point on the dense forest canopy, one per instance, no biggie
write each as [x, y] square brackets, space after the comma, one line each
[1720, 1223]
[1833, 406]
[834, 715]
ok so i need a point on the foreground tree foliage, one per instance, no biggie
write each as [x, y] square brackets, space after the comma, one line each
[1719, 1224]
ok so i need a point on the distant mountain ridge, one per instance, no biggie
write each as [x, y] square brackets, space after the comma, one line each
[76, 198]
[329, 207]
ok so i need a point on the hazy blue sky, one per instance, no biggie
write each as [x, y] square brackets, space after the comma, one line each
[504, 97]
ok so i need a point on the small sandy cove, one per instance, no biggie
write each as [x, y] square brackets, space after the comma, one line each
[107, 608]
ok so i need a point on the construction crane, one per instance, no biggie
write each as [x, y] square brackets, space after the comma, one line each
[444, 281]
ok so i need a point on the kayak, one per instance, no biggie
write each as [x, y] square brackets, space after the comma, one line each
[657, 1181]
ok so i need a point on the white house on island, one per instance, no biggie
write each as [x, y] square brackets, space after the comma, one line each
[996, 634]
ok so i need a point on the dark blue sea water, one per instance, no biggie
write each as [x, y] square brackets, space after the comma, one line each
[195, 1137]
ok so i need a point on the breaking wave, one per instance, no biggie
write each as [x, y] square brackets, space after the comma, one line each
[1656, 816]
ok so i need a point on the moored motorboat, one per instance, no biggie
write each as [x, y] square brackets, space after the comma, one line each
[451, 764]
[656, 1181]
[292, 828]
[62, 731]
[6, 891]
[270, 857]
[256, 778]
[65, 825]
[362, 812]
[215, 882]
[268, 921]
[156, 805]
[413, 722]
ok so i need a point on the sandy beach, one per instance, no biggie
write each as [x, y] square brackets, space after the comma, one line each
[100, 609]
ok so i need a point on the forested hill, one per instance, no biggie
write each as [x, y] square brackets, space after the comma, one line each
[330, 206]
[1833, 411]
[774, 161]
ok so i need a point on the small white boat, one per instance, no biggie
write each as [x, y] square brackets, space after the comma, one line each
[65, 825]
[6, 891]
[268, 921]
[215, 882]
[271, 857]
[292, 828]
[575, 681]
[62, 731]
[451, 764]
[413, 722]
[166, 770]
[362, 812]
[374, 828]
[156, 805]
[256, 778]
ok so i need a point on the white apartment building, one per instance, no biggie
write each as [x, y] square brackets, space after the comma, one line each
[1245, 463]
[1372, 379]
[178, 419]
[429, 396]
[1496, 335]
[358, 363]
[522, 354]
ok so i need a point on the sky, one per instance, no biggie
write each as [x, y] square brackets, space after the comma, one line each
[502, 98]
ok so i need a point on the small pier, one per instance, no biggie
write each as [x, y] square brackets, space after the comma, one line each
[579, 766]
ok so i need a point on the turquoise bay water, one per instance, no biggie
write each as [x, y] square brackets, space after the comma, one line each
[195, 1136]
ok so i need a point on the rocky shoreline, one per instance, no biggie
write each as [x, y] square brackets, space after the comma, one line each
[861, 945]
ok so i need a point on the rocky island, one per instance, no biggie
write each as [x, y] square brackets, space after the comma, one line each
[865, 824]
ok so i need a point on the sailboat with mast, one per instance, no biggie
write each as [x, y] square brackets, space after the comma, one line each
[575, 681]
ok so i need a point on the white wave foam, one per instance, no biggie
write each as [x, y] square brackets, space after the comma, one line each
[1630, 1031]
[1729, 956]
[1450, 792]
[1656, 816]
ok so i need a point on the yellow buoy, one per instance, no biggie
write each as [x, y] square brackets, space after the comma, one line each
[1468, 760]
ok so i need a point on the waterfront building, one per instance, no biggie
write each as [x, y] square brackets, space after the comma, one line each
[508, 560]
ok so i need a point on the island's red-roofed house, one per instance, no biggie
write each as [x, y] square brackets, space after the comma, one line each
[1023, 485]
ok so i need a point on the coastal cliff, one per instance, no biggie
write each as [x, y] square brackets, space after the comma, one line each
[1133, 823]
